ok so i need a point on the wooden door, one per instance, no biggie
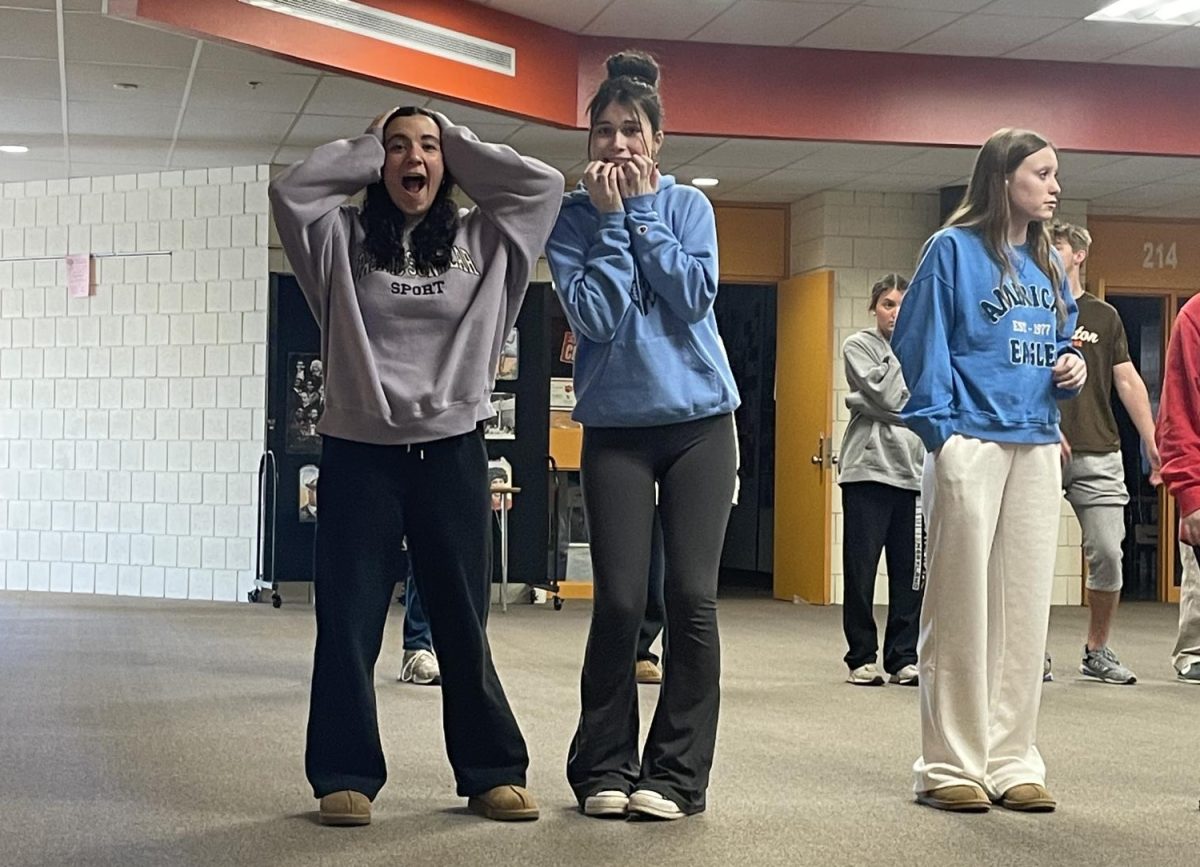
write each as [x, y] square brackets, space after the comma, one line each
[804, 475]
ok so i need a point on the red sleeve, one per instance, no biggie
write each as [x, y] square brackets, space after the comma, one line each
[1178, 431]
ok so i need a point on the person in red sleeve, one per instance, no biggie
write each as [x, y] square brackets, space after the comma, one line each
[1178, 438]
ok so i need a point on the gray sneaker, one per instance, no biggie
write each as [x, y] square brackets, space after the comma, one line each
[1190, 673]
[1103, 665]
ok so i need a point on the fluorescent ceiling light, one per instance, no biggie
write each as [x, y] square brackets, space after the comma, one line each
[1173, 10]
[13, 149]
[1177, 12]
[705, 182]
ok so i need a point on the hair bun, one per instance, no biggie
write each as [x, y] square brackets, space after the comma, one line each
[637, 65]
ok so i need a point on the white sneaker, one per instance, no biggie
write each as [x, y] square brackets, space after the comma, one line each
[609, 802]
[644, 802]
[907, 676]
[420, 667]
[865, 675]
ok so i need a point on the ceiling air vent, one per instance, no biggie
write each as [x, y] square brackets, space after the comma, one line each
[399, 30]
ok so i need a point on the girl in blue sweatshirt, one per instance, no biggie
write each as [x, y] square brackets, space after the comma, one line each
[984, 339]
[634, 258]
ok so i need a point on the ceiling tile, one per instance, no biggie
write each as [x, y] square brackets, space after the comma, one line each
[100, 170]
[93, 82]
[31, 170]
[1063, 8]
[1074, 163]
[204, 125]
[50, 5]
[240, 90]
[28, 33]
[768, 154]
[1140, 169]
[679, 148]
[569, 15]
[214, 55]
[1088, 41]
[841, 157]
[36, 116]
[343, 96]
[32, 79]
[1180, 47]
[664, 20]
[727, 175]
[947, 162]
[890, 183]
[931, 5]
[120, 150]
[1147, 196]
[100, 39]
[767, 22]
[986, 35]
[96, 118]
[468, 114]
[544, 141]
[192, 155]
[865, 28]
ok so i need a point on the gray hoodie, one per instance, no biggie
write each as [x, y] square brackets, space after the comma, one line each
[877, 446]
[412, 357]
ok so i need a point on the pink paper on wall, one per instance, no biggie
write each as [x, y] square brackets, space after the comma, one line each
[79, 275]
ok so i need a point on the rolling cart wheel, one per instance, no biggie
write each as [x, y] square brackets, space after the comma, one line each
[254, 595]
[276, 600]
[558, 603]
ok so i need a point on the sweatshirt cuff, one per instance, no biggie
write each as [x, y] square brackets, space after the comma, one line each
[639, 204]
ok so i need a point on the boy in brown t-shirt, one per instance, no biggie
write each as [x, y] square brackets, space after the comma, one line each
[1093, 472]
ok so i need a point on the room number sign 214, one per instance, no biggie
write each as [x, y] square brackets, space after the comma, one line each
[1158, 256]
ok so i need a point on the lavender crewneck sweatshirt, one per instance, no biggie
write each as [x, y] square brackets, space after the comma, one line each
[412, 357]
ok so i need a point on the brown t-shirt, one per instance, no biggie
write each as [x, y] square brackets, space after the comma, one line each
[1087, 420]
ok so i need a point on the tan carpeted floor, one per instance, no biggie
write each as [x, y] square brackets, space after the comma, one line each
[148, 732]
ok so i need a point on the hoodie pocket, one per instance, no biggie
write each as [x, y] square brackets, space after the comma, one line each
[651, 381]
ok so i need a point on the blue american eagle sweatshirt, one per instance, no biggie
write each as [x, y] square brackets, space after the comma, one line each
[977, 348]
[638, 288]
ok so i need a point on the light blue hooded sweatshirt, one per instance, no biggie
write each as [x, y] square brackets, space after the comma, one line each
[638, 289]
[977, 350]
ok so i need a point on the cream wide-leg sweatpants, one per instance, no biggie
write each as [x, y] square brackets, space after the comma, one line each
[992, 514]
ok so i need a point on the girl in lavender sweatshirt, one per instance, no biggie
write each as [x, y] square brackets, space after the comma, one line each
[413, 301]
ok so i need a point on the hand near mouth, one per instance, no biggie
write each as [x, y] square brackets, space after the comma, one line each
[638, 177]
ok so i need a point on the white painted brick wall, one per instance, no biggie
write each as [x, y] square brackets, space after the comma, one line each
[862, 236]
[130, 421]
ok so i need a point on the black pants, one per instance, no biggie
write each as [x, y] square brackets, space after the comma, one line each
[371, 496]
[880, 517]
[694, 465]
[654, 621]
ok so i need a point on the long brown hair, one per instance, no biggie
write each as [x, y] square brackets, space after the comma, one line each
[985, 208]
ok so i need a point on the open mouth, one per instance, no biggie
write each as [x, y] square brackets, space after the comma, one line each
[413, 183]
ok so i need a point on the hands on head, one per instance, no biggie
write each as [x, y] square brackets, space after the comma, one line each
[610, 183]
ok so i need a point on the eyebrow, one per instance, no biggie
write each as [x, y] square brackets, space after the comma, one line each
[425, 137]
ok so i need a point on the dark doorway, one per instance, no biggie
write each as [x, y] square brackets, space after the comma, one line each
[1143, 317]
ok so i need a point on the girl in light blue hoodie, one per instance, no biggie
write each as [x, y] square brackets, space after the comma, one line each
[984, 339]
[634, 258]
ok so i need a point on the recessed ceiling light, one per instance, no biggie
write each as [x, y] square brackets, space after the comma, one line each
[13, 149]
[705, 182]
[124, 85]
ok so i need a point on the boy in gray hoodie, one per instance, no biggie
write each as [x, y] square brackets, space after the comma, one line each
[413, 300]
[880, 476]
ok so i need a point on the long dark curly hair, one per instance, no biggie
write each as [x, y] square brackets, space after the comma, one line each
[432, 241]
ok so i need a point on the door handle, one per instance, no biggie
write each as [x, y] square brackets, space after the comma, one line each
[824, 458]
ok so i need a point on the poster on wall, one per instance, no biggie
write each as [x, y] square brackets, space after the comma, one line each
[567, 355]
[500, 476]
[510, 362]
[308, 493]
[305, 403]
[502, 425]
[562, 393]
